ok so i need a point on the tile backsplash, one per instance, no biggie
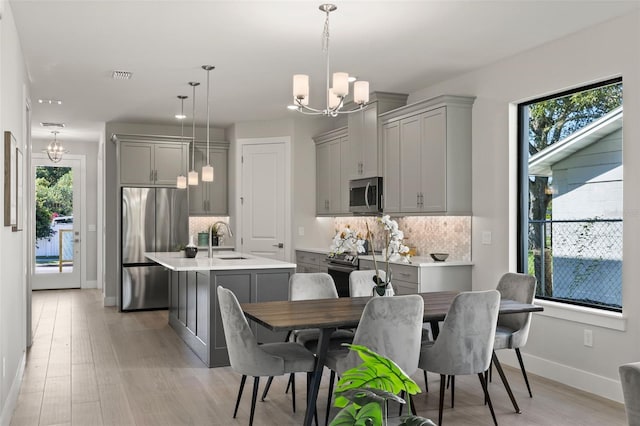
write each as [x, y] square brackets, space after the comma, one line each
[202, 223]
[428, 234]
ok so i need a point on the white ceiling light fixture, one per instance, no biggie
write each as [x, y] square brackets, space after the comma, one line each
[335, 94]
[55, 150]
[207, 170]
[181, 181]
[193, 175]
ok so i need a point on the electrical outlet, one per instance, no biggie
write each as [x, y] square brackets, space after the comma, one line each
[588, 338]
[301, 231]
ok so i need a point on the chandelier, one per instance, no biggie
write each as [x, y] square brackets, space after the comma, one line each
[335, 94]
[55, 150]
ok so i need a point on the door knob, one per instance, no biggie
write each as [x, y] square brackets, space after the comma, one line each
[279, 245]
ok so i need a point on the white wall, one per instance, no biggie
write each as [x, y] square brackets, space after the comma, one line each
[555, 348]
[301, 129]
[13, 89]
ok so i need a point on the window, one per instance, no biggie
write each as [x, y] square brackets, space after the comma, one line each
[570, 192]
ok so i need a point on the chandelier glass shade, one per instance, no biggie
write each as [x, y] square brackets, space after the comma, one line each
[55, 150]
[207, 169]
[336, 93]
[181, 181]
[192, 178]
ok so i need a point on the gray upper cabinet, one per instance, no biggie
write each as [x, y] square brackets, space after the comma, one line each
[210, 198]
[149, 162]
[331, 179]
[427, 157]
[364, 128]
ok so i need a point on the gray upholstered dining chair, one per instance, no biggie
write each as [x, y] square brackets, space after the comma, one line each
[361, 282]
[249, 358]
[630, 380]
[310, 286]
[512, 331]
[390, 326]
[465, 342]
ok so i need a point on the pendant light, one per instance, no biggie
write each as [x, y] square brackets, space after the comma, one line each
[181, 181]
[193, 175]
[55, 150]
[207, 170]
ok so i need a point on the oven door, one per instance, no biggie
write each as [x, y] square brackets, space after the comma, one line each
[340, 275]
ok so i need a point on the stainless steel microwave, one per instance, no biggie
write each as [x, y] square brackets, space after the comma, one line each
[365, 195]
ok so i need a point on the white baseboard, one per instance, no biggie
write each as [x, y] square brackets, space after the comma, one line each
[109, 301]
[91, 284]
[12, 397]
[565, 374]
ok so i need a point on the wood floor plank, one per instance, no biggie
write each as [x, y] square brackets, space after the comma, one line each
[86, 414]
[93, 365]
[56, 402]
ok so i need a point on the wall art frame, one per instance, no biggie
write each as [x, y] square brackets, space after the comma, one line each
[10, 180]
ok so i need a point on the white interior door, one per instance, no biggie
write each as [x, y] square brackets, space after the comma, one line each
[263, 200]
[56, 243]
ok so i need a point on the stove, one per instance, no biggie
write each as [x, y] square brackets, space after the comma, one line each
[339, 266]
[346, 259]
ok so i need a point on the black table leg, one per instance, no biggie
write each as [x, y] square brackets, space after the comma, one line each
[321, 353]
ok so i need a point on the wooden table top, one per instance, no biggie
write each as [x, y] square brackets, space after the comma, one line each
[346, 311]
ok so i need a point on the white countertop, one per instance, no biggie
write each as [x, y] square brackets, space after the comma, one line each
[421, 261]
[221, 261]
[324, 251]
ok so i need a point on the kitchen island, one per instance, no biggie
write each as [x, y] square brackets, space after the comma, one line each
[193, 305]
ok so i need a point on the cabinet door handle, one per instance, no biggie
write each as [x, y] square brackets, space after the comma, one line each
[404, 274]
[417, 199]
[151, 176]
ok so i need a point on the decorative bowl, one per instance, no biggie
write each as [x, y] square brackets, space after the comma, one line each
[439, 257]
[191, 252]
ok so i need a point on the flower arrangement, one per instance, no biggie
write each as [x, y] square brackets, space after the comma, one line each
[394, 251]
[347, 240]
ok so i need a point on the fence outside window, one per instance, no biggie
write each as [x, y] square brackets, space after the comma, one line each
[581, 262]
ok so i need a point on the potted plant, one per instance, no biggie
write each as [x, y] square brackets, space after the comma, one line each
[394, 250]
[213, 231]
[363, 391]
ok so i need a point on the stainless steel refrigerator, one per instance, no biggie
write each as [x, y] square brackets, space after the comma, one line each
[153, 219]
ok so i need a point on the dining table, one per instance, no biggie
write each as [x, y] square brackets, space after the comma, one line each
[330, 314]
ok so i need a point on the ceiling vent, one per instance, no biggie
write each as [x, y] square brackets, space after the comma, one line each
[121, 75]
[52, 125]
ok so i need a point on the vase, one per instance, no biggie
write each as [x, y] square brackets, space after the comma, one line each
[387, 292]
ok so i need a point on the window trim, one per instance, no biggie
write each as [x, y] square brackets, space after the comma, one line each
[582, 314]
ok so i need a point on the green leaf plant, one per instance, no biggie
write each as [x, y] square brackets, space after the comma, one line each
[363, 392]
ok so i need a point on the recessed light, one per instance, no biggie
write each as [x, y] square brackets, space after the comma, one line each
[292, 107]
[352, 78]
[121, 75]
[181, 116]
[50, 101]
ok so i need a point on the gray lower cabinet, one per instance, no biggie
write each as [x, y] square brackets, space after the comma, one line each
[309, 261]
[195, 315]
[413, 278]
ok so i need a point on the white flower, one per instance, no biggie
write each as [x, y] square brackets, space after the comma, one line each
[347, 240]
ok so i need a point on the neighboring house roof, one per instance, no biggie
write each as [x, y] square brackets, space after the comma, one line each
[541, 162]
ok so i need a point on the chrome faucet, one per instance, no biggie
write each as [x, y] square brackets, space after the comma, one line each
[226, 225]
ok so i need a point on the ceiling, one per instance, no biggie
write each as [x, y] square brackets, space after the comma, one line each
[71, 48]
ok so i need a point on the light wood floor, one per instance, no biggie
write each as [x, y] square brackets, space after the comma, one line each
[91, 365]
